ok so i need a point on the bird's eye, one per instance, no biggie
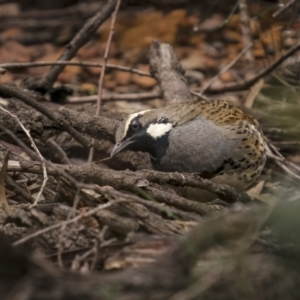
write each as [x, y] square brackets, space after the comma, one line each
[135, 125]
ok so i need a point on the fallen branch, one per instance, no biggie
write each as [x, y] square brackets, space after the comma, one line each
[43, 128]
[184, 204]
[128, 179]
[10, 92]
[39, 155]
[167, 70]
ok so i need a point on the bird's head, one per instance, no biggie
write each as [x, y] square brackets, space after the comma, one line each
[145, 131]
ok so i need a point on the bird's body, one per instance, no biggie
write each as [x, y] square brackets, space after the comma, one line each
[208, 137]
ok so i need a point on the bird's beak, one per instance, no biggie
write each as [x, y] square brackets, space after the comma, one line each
[119, 147]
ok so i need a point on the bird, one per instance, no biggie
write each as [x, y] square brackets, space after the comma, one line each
[211, 137]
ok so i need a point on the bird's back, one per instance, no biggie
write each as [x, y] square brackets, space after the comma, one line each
[215, 139]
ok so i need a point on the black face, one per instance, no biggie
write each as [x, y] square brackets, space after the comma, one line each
[141, 140]
[137, 139]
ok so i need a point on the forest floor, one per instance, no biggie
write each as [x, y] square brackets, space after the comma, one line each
[77, 224]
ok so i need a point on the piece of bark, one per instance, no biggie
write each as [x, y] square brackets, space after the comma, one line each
[42, 128]
[168, 72]
[14, 92]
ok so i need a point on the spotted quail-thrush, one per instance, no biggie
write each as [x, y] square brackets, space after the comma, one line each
[208, 137]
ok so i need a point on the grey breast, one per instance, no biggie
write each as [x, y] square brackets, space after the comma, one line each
[195, 147]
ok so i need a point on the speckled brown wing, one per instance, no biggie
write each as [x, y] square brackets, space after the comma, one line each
[214, 138]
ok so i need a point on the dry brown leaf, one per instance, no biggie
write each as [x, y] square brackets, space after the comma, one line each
[255, 191]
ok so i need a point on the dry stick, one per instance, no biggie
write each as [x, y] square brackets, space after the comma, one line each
[150, 204]
[184, 204]
[284, 8]
[280, 160]
[287, 170]
[245, 26]
[95, 250]
[80, 10]
[63, 227]
[78, 259]
[167, 70]
[97, 127]
[65, 223]
[73, 63]
[128, 179]
[59, 152]
[34, 156]
[12, 185]
[19, 142]
[232, 63]
[115, 96]
[252, 94]
[38, 153]
[104, 190]
[43, 128]
[101, 78]
[32, 25]
[80, 185]
[123, 198]
[245, 84]
[9, 91]
[296, 167]
[80, 39]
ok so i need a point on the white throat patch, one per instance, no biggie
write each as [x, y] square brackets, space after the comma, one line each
[157, 130]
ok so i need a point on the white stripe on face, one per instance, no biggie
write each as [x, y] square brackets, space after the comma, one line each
[157, 130]
[130, 118]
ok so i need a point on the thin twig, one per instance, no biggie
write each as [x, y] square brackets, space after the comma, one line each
[80, 39]
[232, 63]
[245, 84]
[232, 12]
[61, 236]
[253, 92]
[277, 156]
[17, 189]
[201, 209]
[280, 160]
[245, 27]
[101, 78]
[284, 8]
[9, 66]
[45, 176]
[65, 223]
[59, 152]
[32, 154]
[115, 96]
